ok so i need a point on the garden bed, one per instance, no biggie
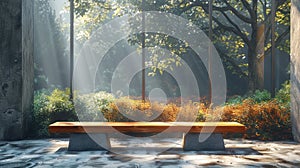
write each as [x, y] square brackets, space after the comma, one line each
[266, 118]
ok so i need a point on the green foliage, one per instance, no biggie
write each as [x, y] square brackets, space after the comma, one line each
[58, 101]
[235, 100]
[234, 28]
[283, 95]
[41, 117]
[90, 106]
[50, 107]
[257, 96]
[260, 96]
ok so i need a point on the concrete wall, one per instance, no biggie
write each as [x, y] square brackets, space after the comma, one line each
[16, 67]
[295, 68]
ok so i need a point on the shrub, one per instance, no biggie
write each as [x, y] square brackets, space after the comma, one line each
[265, 121]
[128, 110]
[260, 96]
[167, 113]
[235, 100]
[125, 109]
[283, 95]
[41, 117]
[89, 106]
[60, 107]
[49, 108]
[264, 117]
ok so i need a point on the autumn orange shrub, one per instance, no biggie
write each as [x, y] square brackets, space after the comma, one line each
[125, 109]
[266, 121]
[265, 118]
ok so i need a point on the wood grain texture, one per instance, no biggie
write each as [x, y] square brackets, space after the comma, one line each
[146, 127]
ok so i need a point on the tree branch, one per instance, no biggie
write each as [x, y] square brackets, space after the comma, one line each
[234, 65]
[235, 25]
[264, 7]
[247, 6]
[230, 29]
[237, 13]
[267, 20]
[278, 40]
[224, 9]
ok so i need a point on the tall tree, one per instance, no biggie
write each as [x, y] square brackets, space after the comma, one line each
[241, 29]
[240, 25]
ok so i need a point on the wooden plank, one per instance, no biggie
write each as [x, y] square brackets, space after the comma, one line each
[146, 127]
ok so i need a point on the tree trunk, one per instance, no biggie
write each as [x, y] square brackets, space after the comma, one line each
[255, 69]
[256, 59]
[260, 54]
[251, 71]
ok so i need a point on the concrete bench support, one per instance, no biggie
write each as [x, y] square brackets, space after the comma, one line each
[214, 142]
[88, 142]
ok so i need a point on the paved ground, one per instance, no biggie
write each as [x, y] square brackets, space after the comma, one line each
[146, 153]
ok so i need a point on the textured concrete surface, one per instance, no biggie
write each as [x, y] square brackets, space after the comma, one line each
[238, 153]
[16, 67]
[295, 65]
[81, 142]
[194, 142]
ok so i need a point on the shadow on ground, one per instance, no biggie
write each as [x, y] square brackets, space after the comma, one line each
[238, 153]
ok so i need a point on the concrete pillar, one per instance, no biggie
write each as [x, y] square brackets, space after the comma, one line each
[295, 68]
[16, 67]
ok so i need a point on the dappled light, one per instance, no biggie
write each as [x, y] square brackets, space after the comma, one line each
[177, 60]
[149, 83]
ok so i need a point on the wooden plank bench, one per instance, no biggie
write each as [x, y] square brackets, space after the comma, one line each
[95, 135]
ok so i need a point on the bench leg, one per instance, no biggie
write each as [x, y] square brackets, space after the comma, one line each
[85, 142]
[191, 142]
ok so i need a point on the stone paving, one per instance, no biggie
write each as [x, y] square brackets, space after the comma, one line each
[146, 153]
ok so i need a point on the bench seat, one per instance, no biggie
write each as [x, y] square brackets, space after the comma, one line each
[82, 132]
